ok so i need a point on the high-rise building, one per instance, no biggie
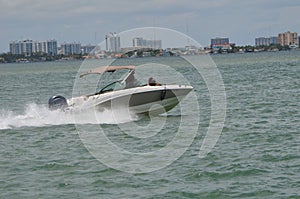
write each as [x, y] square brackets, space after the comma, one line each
[146, 43]
[288, 38]
[40, 47]
[138, 42]
[266, 41]
[28, 47]
[90, 49]
[51, 47]
[16, 47]
[113, 43]
[24, 47]
[71, 48]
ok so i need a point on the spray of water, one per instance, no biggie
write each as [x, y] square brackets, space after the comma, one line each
[35, 115]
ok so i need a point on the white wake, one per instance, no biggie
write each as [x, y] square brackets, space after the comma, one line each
[39, 115]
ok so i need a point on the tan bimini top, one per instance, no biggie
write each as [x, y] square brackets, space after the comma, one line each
[103, 69]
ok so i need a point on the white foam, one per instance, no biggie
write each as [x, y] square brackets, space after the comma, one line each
[39, 115]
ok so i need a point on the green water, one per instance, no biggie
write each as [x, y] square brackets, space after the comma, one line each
[257, 155]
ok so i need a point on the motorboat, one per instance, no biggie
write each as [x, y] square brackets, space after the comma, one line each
[153, 97]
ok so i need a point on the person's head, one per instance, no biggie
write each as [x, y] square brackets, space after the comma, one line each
[151, 81]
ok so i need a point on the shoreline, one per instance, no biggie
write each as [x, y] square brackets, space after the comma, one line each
[81, 58]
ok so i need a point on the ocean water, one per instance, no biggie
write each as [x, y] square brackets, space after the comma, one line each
[42, 155]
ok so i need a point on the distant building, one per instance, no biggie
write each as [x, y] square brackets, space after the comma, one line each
[219, 41]
[266, 41]
[89, 49]
[23, 47]
[113, 43]
[220, 44]
[146, 43]
[14, 48]
[191, 50]
[39, 47]
[28, 47]
[71, 48]
[138, 42]
[51, 47]
[288, 38]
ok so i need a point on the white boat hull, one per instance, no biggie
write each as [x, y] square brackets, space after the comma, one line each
[144, 99]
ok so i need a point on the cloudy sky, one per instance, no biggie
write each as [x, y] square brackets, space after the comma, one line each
[88, 21]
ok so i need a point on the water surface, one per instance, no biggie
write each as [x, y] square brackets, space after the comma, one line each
[257, 155]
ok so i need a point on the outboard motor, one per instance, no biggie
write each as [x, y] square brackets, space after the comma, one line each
[57, 102]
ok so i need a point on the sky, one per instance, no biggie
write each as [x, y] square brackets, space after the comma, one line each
[89, 21]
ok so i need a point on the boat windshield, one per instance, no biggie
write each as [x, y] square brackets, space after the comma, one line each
[117, 85]
[117, 80]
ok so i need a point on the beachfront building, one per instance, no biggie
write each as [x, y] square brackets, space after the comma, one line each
[266, 41]
[24, 47]
[90, 49]
[288, 39]
[219, 41]
[220, 44]
[29, 47]
[51, 47]
[71, 48]
[146, 43]
[113, 43]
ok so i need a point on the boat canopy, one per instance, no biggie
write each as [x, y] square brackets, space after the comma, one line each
[103, 69]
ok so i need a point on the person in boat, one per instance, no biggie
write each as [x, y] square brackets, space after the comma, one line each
[152, 82]
[131, 81]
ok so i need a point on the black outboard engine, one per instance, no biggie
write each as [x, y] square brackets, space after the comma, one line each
[57, 102]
